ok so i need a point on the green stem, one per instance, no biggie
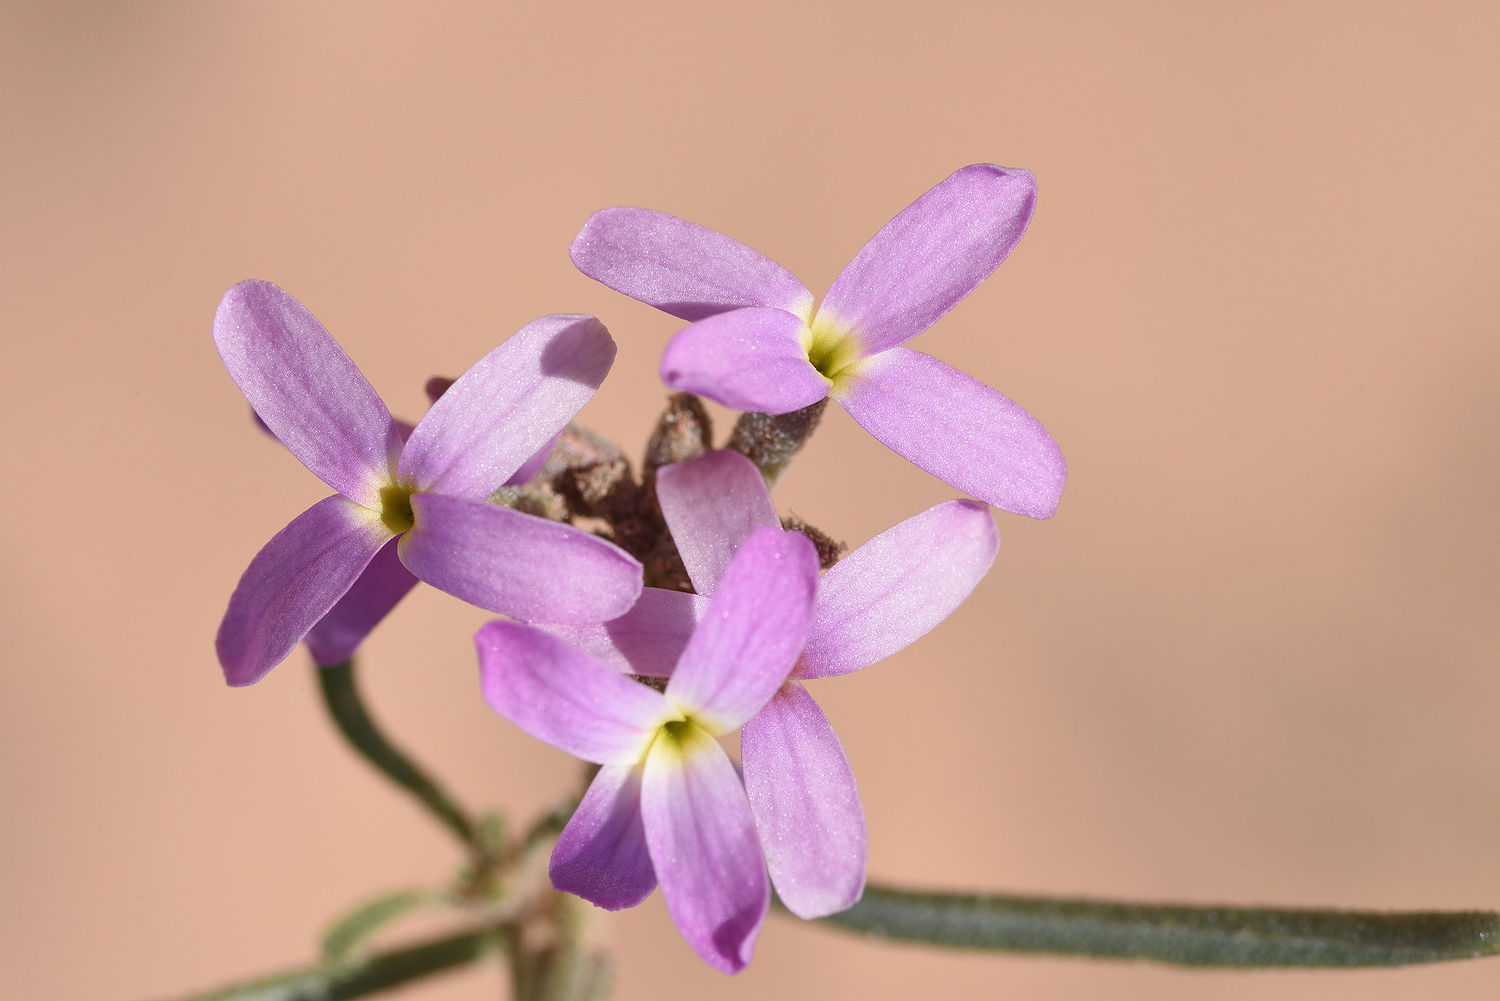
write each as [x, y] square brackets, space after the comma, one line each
[341, 697]
[379, 972]
[1183, 936]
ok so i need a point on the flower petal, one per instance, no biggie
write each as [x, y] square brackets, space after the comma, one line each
[958, 429]
[306, 390]
[748, 359]
[711, 505]
[680, 267]
[601, 854]
[703, 844]
[751, 635]
[383, 584]
[895, 588]
[805, 804]
[565, 697]
[293, 582]
[935, 252]
[517, 564]
[648, 639]
[506, 407]
[533, 465]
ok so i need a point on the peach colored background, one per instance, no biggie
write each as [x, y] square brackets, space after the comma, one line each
[1252, 659]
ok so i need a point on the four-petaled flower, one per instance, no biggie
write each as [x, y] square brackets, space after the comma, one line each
[756, 342]
[872, 603]
[666, 804]
[415, 507]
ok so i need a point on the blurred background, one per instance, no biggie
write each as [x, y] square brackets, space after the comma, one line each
[1251, 659]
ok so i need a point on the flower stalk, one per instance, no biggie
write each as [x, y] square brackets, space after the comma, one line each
[342, 700]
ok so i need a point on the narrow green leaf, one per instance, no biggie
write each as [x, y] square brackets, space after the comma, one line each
[352, 931]
[378, 973]
[1184, 936]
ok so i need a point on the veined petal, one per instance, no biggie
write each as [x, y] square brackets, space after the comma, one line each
[680, 267]
[293, 582]
[898, 586]
[403, 429]
[601, 854]
[711, 505]
[383, 584]
[805, 804]
[516, 564]
[648, 639]
[704, 847]
[751, 635]
[506, 407]
[565, 697]
[935, 252]
[306, 390]
[958, 429]
[748, 359]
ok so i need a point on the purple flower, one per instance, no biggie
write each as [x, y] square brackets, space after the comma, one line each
[872, 603]
[408, 508]
[335, 637]
[756, 342]
[666, 804]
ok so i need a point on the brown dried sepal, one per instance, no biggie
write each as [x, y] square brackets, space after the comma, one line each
[829, 549]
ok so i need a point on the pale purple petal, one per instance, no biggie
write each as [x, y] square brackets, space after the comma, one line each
[601, 854]
[306, 390]
[805, 804]
[504, 409]
[711, 505]
[898, 586]
[339, 633]
[704, 847]
[931, 255]
[749, 359]
[293, 582]
[958, 429]
[680, 267]
[533, 465]
[565, 697]
[403, 429]
[750, 637]
[648, 639]
[516, 564]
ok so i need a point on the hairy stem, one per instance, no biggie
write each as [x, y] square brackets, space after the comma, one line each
[1179, 935]
[771, 441]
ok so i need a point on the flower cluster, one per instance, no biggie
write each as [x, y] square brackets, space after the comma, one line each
[478, 497]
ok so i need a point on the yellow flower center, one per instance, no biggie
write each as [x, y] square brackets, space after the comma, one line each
[680, 737]
[677, 730]
[830, 347]
[395, 508]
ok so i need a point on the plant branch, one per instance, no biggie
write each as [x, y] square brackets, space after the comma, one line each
[341, 698]
[380, 972]
[1179, 935]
